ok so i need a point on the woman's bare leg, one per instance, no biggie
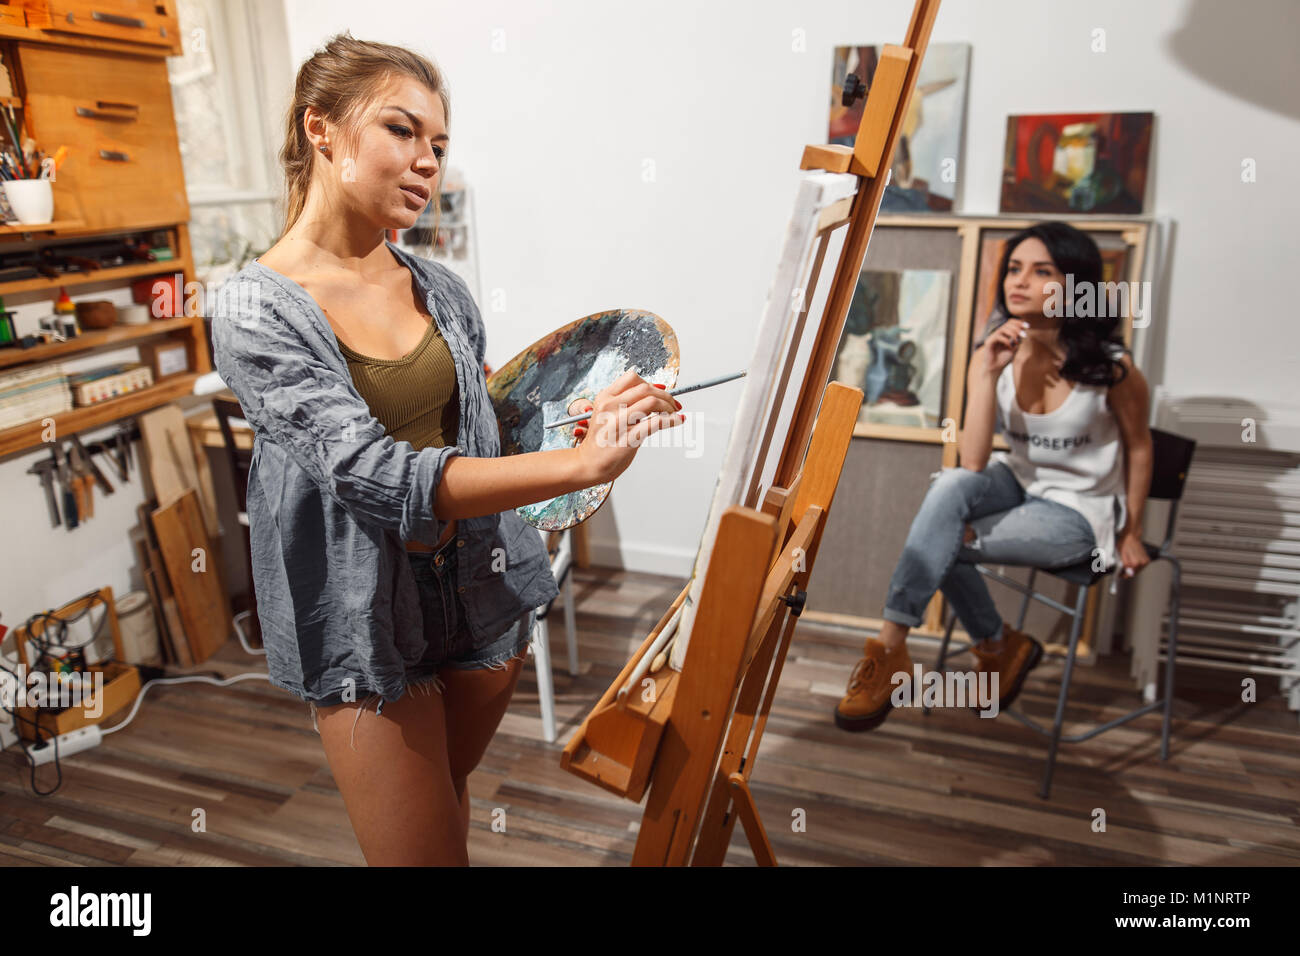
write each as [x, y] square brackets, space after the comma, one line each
[397, 782]
[893, 634]
[475, 702]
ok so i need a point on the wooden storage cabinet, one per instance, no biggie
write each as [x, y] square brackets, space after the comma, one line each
[152, 22]
[114, 113]
[105, 94]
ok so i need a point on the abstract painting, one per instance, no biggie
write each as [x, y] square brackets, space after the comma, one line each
[923, 177]
[895, 345]
[1092, 163]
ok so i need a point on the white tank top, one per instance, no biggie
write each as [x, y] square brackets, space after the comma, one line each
[1073, 455]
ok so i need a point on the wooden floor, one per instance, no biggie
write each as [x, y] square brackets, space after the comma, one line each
[949, 789]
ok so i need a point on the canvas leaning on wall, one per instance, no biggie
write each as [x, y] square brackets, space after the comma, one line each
[894, 346]
[924, 173]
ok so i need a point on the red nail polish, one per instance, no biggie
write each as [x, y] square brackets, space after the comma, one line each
[661, 386]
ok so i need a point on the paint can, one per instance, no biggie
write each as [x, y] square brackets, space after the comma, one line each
[139, 629]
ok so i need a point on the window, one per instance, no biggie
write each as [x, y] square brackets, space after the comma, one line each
[229, 91]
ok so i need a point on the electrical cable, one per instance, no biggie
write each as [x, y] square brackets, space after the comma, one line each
[43, 645]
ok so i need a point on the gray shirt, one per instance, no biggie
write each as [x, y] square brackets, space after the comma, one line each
[332, 498]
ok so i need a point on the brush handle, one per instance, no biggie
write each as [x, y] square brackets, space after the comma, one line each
[708, 383]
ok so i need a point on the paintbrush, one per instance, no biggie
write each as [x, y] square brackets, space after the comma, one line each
[11, 128]
[572, 419]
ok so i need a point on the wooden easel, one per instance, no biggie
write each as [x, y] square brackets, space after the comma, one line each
[692, 736]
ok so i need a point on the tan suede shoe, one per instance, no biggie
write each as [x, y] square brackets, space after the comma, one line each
[866, 704]
[1011, 657]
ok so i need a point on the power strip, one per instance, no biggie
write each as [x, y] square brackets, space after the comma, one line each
[73, 742]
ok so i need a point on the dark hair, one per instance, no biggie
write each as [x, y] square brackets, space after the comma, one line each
[1091, 341]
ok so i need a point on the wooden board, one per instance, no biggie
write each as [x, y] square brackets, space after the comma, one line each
[173, 630]
[207, 493]
[200, 594]
[172, 467]
[140, 544]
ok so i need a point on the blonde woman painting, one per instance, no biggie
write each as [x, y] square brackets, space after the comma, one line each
[396, 586]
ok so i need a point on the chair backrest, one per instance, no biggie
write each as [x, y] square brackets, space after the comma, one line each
[1171, 458]
[241, 460]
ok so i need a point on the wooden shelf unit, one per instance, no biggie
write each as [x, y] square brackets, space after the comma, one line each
[111, 38]
[87, 278]
[12, 228]
[106, 97]
[118, 336]
[28, 435]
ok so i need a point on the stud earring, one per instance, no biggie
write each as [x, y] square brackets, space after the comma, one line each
[324, 147]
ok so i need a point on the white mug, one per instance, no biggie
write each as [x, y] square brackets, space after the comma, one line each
[32, 200]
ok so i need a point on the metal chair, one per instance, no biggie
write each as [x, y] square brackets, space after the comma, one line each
[1172, 456]
[561, 563]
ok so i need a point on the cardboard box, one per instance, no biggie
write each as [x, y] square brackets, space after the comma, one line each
[165, 358]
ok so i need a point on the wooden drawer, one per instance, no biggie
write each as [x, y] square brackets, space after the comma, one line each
[151, 22]
[114, 113]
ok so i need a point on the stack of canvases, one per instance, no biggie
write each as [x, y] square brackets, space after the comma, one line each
[175, 540]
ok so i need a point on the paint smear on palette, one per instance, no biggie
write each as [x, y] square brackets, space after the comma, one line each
[576, 361]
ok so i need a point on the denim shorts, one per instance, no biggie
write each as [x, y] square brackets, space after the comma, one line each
[448, 638]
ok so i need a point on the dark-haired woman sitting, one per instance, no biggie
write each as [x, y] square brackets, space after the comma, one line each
[1055, 377]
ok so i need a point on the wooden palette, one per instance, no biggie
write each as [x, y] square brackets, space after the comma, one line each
[575, 361]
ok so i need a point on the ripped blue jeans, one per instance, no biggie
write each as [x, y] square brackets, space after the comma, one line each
[1010, 527]
[449, 641]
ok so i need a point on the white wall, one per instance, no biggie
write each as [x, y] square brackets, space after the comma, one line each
[554, 130]
[553, 133]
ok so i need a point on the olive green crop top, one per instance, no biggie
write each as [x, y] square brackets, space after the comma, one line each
[416, 397]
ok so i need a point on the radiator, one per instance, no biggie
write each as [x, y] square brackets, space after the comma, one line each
[1238, 539]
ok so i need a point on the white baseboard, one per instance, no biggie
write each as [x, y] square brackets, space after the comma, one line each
[647, 559]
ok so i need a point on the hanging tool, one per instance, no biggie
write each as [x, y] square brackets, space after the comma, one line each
[103, 447]
[97, 475]
[65, 484]
[85, 482]
[122, 440]
[78, 481]
[47, 470]
[119, 455]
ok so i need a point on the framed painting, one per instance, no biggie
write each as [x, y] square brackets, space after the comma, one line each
[923, 176]
[1090, 163]
[894, 346]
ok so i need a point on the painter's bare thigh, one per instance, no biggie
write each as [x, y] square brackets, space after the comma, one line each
[393, 774]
